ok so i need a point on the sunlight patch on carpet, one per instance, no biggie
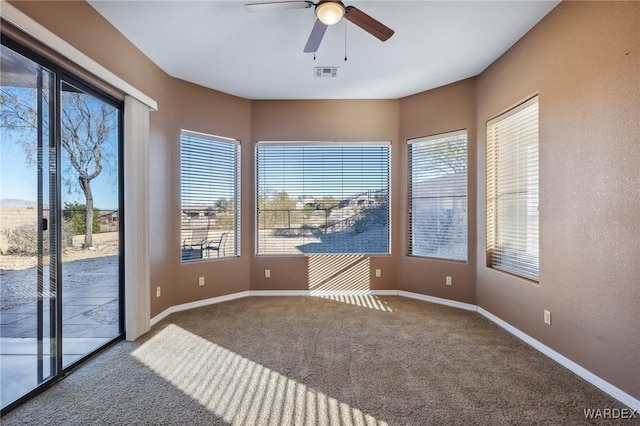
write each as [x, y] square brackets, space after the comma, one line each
[237, 389]
[362, 300]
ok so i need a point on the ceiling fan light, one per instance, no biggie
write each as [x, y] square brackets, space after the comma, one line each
[330, 13]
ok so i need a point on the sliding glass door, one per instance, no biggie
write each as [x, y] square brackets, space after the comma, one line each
[60, 223]
[90, 263]
[28, 289]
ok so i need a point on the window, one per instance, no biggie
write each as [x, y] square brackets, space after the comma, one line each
[322, 198]
[210, 196]
[512, 191]
[438, 196]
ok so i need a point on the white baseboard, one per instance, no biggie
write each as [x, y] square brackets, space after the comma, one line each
[384, 292]
[325, 293]
[438, 300]
[601, 384]
[197, 304]
[277, 293]
[338, 293]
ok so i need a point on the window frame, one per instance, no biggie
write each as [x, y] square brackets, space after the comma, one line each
[237, 176]
[410, 218]
[387, 144]
[492, 195]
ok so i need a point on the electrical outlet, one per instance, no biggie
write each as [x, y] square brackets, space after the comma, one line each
[201, 281]
[158, 291]
[267, 273]
[378, 273]
[447, 280]
[547, 317]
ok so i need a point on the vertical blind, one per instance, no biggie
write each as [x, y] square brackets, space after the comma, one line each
[512, 191]
[320, 197]
[438, 196]
[210, 193]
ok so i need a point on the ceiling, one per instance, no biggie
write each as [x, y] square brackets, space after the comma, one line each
[218, 44]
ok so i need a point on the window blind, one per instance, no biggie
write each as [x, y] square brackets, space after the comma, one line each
[512, 191]
[318, 197]
[209, 196]
[438, 196]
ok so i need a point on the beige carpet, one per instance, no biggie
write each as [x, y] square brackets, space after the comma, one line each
[314, 361]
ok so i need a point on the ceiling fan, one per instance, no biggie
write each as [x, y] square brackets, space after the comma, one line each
[328, 12]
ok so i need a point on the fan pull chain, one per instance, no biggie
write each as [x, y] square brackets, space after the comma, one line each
[345, 40]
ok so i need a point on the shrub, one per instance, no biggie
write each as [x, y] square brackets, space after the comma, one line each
[74, 213]
[23, 239]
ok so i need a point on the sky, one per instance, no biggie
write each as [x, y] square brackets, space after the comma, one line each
[18, 180]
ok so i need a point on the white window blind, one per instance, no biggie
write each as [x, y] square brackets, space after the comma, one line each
[210, 196]
[512, 191]
[438, 196]
[315, 197]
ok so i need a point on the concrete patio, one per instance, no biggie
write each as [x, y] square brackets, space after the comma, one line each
[90, 318]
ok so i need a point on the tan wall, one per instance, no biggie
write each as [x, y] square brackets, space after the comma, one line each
[444, 109]
[330, 120]
[207, 111]
[584, 61]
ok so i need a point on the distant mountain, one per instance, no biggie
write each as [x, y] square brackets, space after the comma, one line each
[15, 203]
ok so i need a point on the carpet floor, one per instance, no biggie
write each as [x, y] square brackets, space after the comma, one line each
[319, 361]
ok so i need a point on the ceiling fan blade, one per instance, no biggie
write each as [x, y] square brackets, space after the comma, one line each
[316, 37]
[277, 5]
[367, 23]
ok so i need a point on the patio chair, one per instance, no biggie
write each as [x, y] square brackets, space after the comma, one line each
[197, 239]
[217, 246]
[194, 245]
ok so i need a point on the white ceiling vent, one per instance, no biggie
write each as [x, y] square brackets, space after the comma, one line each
[325, 72]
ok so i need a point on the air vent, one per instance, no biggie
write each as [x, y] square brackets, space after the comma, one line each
[325, 72]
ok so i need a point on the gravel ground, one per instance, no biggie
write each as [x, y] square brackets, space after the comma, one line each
[19, 286]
